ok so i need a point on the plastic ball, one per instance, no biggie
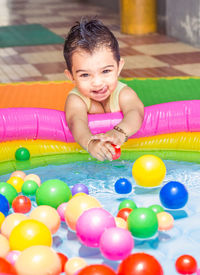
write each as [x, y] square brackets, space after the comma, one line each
[21, 204]
[73, 265]
[19, 174]
[117, 152]
[127, 204]
[124, 213]
[186, 264]
[116, 243]
[22, 154]
[29, 233]
[6, 268]
[10, 222]
[63, 259]
[156, 208]
[47, 215]
[12, 256]
[76, 206]
[2, 218]
[8, 191]
[148, 171]
[165, 221]
[79, 188]
[97, 270]
[33, 177]
[61, 211]
[17, 183]
[121, 223]
[38, 259]
[91, 224]
[173, 195]
[140, 264]
[123, 186]
[4, 205]
[53, 193]
[4, 246]
[29, 188]
[143, 223]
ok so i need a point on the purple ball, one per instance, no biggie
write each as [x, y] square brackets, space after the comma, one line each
[79, 188]
[91, 224]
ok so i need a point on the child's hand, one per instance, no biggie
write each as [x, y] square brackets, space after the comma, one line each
[111, 136]
[101, 150]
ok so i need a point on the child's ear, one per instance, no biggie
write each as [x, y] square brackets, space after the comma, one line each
[121, 65]
[69, 75]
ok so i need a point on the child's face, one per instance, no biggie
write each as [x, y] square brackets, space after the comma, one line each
[95, 75]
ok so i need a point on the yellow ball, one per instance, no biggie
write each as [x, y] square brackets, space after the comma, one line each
[28, 233]
[148, 171]
[2, 218]
[76, 206]
[16, 182]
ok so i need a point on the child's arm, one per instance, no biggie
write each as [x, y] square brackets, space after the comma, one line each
[77, 120]
[133, 111]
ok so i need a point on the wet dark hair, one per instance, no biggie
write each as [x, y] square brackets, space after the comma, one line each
[89, 34]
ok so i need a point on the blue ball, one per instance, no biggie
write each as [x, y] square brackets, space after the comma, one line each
[173, 195]
[123, 186]
[4, 205]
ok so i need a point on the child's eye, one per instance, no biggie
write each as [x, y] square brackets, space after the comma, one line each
[106, 71]
[84, 75]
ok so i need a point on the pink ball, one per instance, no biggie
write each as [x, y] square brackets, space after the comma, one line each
[91, 224]
[198, 271]
[61, 211]
[116, 243]
[13, 256]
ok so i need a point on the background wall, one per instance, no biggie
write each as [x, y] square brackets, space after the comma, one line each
[176, 18]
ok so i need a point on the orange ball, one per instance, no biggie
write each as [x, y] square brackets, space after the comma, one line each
[47, 215]
[10, 222]
[4, 246]
[76, 206]
[165, 221]
[73, 265]
[19, 174]
[38, 259]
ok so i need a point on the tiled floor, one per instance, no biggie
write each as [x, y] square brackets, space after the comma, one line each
[151, 55]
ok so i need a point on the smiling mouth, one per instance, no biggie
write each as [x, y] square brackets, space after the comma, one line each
[100, 91]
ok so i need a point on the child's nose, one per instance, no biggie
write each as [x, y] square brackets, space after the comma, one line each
[96, 81]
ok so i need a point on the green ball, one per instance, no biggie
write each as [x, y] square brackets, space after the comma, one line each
[29, 188]
[22, 154]
[142, 223]
[53, 193]
[8, 191]
[156, 208]
[127, 204]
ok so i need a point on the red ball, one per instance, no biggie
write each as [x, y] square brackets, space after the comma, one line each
[6, 268]
[186, 264]
[21, 204]
[97, 270]
[124, 213]
[117, 152]
[140, 264]
[63, 259]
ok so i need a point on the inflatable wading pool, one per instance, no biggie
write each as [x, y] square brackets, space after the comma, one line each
[32, 117]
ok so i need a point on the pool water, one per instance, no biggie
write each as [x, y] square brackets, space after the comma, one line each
[183, 238]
